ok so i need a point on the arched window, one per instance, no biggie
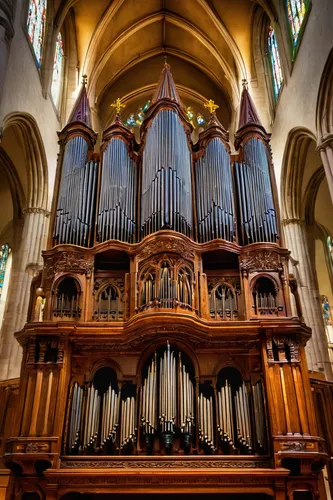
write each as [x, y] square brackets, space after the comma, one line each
[274, 58]
[5, 267]
[297, 10]
[36, 26]
[57, 71]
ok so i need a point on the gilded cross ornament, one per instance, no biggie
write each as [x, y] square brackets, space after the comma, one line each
[211, 106]
[118, 105]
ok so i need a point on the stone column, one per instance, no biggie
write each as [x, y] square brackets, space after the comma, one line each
[6, 34]
[317, 348]
[26, 260]
[326, 152]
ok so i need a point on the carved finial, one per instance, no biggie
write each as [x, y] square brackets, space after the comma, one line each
[118, 105]
[84, 79]
[245, 84]
[211, 106]
[165, 59]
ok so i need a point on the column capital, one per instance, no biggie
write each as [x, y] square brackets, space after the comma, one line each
[36, 210]
[324, 142]
[293, 220]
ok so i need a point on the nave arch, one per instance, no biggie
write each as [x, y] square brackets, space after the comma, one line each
[23, 223]
[306, 205]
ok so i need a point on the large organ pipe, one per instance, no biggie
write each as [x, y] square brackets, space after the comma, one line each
[214, 193]
[166, 200]
[118, 194]
[110, 411]
[225, 422]
[77, 194]
[254, 192]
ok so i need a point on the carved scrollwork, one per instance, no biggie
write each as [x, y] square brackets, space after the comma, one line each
[263, 260]
[73, 262]
[166, 245]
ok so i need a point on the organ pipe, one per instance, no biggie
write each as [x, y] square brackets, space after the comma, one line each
[168, 404]
[206, 421]
[110, 416]
[225, 422]
[77, 194]
[255, 197]
[214, 194]
[128, 422]
[116, 218]
[166, 201]
[167, 391]
[149, 400]
[243, 420]
[186, 399]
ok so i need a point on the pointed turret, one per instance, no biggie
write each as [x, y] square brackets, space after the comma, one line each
[248, 118]
[248, 113]
[166, 88]
[81, 109]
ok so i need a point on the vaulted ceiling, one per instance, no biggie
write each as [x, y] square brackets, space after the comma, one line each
[122, 45]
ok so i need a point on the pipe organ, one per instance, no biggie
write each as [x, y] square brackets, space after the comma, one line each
[168, 354]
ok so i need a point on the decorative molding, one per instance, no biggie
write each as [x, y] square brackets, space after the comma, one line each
[165, 464]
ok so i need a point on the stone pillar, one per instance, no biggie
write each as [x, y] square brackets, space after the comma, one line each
[317, 348]
[326, 152]
[26, 260]
[6, 34]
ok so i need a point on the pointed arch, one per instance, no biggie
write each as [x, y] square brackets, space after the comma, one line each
[30, 137]
[294, 157]
[324, 112]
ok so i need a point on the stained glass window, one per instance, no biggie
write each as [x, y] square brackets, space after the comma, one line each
[36, 26]
[275, 62]
[297, 10]
[4, 254]
[57, 70]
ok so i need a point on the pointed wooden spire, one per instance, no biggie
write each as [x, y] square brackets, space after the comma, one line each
[81, 109]
[166, 88]
[248, 113]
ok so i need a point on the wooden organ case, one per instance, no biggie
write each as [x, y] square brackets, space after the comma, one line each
[168, 358]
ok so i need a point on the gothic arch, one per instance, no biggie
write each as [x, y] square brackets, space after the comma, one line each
[324, 112]
[293, 163]
[26, 131]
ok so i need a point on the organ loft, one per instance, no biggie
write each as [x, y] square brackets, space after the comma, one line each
[161, 354]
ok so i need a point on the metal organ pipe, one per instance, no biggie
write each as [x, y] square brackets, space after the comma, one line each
[77, 194]
[214, 193]
[255, 197]
[166, 177]
[116, 218]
